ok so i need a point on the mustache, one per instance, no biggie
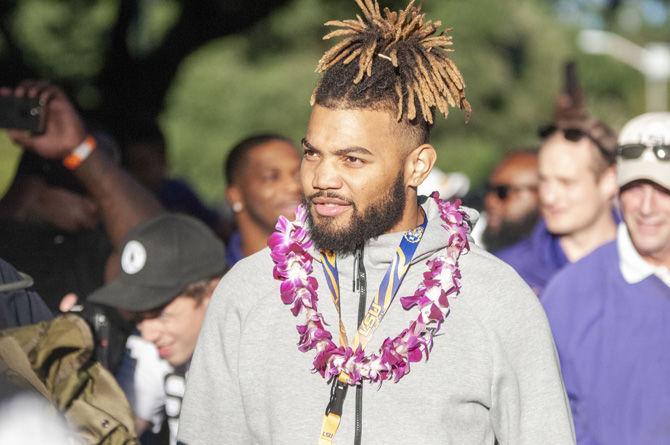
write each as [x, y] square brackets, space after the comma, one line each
[322, 194]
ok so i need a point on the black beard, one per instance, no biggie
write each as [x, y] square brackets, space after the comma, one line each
[379, 218]
[510, 232]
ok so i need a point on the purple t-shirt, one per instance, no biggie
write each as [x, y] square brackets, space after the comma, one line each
[536, 258]
[613, 340]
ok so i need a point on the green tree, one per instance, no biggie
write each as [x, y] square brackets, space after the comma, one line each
[118, 58]
[510, 53]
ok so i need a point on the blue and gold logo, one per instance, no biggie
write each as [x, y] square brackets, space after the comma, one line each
[414, 236]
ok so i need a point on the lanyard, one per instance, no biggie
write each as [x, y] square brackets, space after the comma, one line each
[387, 290]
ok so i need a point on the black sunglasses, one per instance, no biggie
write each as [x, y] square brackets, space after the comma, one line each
[502, 191]
[575, 135]
[634, 151]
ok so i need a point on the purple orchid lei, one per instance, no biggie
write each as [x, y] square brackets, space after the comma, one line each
[293, 267]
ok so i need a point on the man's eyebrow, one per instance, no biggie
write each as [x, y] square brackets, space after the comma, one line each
[354, 149]
[309, 146]
[340, 152]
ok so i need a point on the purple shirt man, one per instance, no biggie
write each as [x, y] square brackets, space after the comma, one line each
[610, 311]
[576, 189]
[540, 256]
[536, 258]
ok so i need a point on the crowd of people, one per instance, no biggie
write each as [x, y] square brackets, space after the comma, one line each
[144, 316]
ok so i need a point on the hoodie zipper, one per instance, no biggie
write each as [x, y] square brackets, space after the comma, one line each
[360, 283]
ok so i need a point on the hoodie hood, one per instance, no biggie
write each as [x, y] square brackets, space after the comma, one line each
[381, 250]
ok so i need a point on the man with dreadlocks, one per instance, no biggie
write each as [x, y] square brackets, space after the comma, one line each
[362, 237]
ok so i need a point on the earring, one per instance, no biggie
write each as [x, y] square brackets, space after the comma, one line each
[237, 207]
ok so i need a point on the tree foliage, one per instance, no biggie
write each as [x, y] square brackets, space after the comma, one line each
[261, 80]
[215, 71]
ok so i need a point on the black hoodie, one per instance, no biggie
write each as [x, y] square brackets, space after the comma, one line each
[19, 304]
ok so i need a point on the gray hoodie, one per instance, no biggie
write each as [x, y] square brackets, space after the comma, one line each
[493, 373]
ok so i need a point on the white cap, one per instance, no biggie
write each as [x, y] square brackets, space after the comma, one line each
[648, 129]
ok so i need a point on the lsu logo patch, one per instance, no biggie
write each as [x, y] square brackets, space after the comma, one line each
[413, 236]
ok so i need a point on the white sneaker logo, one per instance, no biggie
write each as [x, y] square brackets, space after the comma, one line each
[133, 258]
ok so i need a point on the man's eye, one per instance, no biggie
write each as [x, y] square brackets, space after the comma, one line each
[309, 154]
[353, 160]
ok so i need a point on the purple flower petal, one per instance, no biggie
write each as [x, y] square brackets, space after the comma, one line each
[289, 250]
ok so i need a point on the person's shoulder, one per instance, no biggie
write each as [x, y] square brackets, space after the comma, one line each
[19, 304]
[602, 256]
[529, 247]
[522, 256]
[519, 248]
[584, 284]
[247, 282]
[585, 274]
[259, 262]
[497, 300]
[493, 285]
[487, 269]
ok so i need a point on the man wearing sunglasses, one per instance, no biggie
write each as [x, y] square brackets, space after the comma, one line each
[610, 311]
[576, 189]
[511, 200]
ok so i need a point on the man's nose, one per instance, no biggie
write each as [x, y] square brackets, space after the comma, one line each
[647, 200]
[493, 203]
[547, 193]
[326, 176]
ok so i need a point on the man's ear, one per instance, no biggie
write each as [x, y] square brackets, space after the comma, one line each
[419, 163]
[234, 198]
[607, 183]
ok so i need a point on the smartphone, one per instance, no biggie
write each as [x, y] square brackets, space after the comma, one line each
[22, 113]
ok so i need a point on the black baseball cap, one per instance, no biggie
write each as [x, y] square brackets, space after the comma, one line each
[160, 257]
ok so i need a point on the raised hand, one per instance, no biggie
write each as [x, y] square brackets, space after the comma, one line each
[64, 129]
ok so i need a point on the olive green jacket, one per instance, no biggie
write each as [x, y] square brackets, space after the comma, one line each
[54, 359]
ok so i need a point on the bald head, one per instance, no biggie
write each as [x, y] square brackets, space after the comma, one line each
[523, 162]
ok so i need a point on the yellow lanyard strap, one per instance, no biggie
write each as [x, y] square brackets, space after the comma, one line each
[331, 420]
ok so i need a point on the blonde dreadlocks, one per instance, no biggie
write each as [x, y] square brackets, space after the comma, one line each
[401, 62]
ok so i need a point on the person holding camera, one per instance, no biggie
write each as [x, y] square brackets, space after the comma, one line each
[65, 186]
